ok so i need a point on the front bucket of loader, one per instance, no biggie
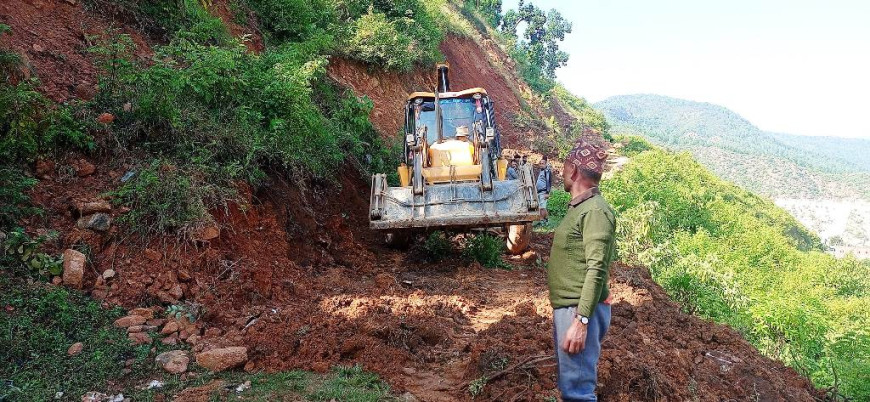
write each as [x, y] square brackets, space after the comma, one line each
[452, 205]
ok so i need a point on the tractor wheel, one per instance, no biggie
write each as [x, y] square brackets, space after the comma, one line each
[518, 238]
[397, 239]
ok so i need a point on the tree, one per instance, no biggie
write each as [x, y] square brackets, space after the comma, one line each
[541, 37]
[491, 11]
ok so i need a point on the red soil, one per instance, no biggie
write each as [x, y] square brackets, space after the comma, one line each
[297, 277]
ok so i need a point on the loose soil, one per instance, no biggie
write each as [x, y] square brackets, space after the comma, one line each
[296, 276]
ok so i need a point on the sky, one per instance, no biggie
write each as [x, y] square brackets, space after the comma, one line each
[798, 66]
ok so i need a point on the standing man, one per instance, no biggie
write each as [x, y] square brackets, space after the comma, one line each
[577, 273]
[544, 184]
[512, 172]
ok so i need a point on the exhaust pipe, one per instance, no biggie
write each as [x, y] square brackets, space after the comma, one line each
[443, 71]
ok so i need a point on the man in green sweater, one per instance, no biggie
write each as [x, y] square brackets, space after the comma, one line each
[577, 273]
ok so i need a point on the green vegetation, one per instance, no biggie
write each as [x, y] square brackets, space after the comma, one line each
[729, 145]
[487, 250]
[351, 384]
[437, 246]
[731, 256]
[20, 253]
[40, 322]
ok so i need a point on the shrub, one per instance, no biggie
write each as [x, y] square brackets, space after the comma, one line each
[292, 20]
[487, 250]
[376, 40]
[14, 201]
[20, 253]
[437, 246]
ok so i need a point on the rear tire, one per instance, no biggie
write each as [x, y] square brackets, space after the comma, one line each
[518, 238]
[397, 239]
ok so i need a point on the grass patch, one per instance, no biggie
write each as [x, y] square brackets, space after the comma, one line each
[351, 384]
[40, 322]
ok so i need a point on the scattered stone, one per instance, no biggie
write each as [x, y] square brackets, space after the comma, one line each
[154, 384]
[152, 255]
[209, 232]
[109, 273]
[213, 332]
[129, 362]
[73, 268]
[139, 338]
[176, 291]
[84, 168]
[243, 387]
[192, 340]
[44, 168]
[223, 358]
[170, 327]
[56, 281]
[128, 107]
[144, 312]
[170, 340]
[106, 118]
[91, 207]
[99, 294]
[58, 395]
[37, 48]
[184, 275]
[156, 322]
[75, 349]
[94, 396]
[250, 367]
[530, 255]
[129, 321]
[99, 221]
[173, 361]
[408, 397]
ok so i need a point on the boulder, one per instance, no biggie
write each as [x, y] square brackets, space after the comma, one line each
[173, 361]
[99, 221]
[144, 312]
[223, 358]
[73, 268]
[109, 273]
[208, 232]
[176, 292]
[129, 321]
[106, 118]
[170, 327]
[75, 349]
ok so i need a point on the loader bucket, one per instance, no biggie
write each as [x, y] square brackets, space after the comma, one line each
[454, 204]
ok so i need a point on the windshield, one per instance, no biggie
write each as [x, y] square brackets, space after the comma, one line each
[455, 112]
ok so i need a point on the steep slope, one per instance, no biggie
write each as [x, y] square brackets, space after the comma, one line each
[291, 271]
[731, 146]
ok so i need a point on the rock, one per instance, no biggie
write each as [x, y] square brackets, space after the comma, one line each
[176, 291]
[73, 268]
[139, 338]
[166, 298]
[75, 349]
[173, 361]
[84, 168]
[152, 255]
[128, 107]
[170, 327]
[192, 340]
[223, 358]
[129, 321]
[56, 281]
[136, 328]
[156, 322]
[37, 48]
[44, 168]
[106, 118]
[99, 221]
[184, 275]
[213, 332]
[92, 207]
[109, 273]
[250, 367]
[85, 91]
[530, 255]
[209, 232]
[144, 312]
[170, 340]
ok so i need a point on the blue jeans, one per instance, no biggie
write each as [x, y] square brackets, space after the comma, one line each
[578, 373]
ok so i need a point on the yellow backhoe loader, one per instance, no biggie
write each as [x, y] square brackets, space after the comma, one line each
[453, 176]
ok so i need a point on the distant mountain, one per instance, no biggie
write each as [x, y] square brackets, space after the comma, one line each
[776, 165]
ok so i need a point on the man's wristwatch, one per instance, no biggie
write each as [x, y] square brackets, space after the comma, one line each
[583, 320]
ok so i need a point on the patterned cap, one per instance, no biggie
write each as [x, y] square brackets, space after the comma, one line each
[587, 155]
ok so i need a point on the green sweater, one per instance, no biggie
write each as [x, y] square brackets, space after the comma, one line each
[583, 248]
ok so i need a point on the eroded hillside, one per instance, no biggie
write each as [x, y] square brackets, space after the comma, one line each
[288, 268]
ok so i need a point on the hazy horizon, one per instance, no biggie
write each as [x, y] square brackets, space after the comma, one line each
[796, 67]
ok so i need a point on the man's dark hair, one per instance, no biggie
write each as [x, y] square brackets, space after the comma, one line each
[544, 158]
[590, 174]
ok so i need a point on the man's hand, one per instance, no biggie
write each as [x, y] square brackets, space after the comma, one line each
[575, 339]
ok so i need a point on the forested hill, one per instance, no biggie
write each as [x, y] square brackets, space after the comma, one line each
[777, 165]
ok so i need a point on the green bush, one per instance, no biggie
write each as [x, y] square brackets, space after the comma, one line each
[437, 246]
[294, 21]
[487, 250]
[731, 256]
[633, 145]
[39, 324]
[21, 254]
[14, 201]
